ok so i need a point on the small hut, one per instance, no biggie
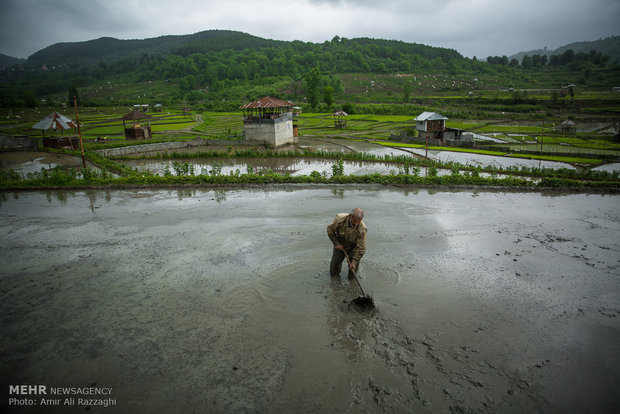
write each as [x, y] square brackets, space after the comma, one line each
[135, 130]
[568, 127]
[58, 122]
[340, 119]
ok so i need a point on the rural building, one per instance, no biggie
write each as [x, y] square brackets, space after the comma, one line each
[432, 129]
[340, 119]
[431, 125]
[157, 108]
[58, 122]
[136, 130]
[568, 127]
[269, 121]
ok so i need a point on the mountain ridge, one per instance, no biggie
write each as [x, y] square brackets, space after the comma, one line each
[609, 46]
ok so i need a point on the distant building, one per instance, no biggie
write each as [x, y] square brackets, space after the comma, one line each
[568, 127]
[431, 125]
[340, 119]
[269, 121]
[432, 129]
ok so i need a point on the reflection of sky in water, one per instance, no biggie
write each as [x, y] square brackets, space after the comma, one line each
[484, 160]
[460, 157]
[608, 167]
[292, 166]
[32, 166]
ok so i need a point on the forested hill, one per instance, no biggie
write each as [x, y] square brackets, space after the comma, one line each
[396, 55]
[108, 48]
[211, 64]
[6, 61]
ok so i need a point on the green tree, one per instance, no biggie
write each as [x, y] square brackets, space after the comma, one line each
[313, 82]
[328, 96]
[73, 92]
[407, 92]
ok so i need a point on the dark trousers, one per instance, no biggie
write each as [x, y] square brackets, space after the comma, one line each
[335, 265]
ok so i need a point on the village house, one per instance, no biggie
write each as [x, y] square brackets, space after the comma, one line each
[269, 121]
[568, 127]
[431, 128]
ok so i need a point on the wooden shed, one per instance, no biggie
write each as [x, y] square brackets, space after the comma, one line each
[58, 122]
[136, 130]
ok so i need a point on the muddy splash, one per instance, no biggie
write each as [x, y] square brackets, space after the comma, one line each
[207, 301]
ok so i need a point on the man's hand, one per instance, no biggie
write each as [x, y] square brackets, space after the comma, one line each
[353, 266]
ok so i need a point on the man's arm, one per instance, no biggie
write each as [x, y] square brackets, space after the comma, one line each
[331, 233]
[360, 247]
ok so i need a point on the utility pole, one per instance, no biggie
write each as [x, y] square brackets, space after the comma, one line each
[77, 118]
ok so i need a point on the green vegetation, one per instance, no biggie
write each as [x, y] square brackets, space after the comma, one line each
[115, 174]
[202, 80]
[219, 70]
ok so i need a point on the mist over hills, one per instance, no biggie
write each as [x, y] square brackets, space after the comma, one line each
[609, 46]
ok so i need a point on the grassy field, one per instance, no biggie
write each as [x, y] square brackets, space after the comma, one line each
[175, 124]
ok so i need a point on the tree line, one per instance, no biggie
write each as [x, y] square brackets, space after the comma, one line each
[569, 60]
[254, 65]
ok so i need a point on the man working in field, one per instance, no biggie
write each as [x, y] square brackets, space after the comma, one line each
[348, 234]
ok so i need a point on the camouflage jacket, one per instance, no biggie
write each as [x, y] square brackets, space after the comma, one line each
[352, 238]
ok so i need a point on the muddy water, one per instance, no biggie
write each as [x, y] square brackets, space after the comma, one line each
[204, 301]
[32, 161]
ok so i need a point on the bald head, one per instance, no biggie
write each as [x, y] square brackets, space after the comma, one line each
[358, 213]
[356, 216]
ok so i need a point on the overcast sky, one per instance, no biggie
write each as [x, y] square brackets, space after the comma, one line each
[478, 28]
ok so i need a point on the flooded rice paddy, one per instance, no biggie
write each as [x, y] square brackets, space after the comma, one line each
[221, 301]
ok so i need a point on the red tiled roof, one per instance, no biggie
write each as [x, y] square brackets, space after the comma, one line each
[267, 102]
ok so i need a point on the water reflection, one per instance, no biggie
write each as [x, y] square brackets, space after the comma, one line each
[280, 165]
[608, 167]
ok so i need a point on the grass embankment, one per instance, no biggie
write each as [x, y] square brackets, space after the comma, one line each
[113, 174]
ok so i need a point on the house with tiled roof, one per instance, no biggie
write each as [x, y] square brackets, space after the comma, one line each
[269, 121]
